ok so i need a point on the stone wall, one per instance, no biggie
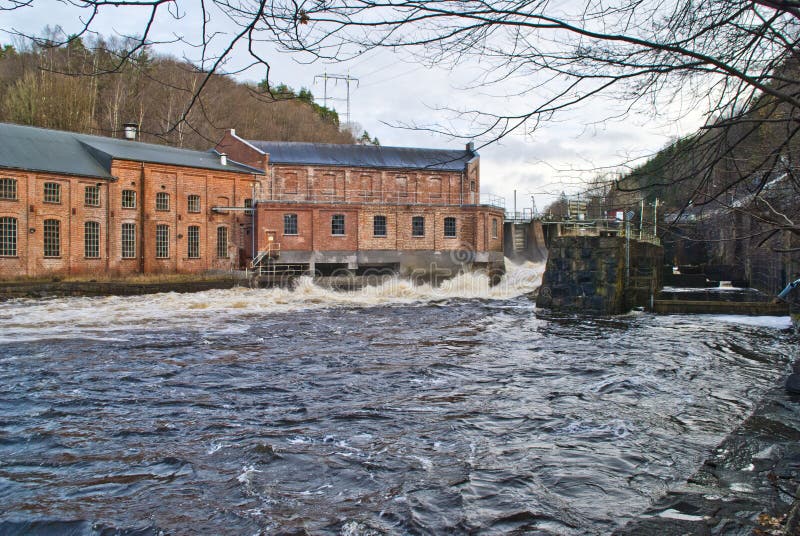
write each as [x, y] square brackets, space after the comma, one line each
[588, 274]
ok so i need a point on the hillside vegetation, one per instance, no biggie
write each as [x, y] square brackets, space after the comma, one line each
[97, 87]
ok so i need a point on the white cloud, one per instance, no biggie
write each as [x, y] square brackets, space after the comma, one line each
[394, 90]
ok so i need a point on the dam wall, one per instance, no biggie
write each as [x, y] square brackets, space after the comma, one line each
[590, 274]
[524, 241]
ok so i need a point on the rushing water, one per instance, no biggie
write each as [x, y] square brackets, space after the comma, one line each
[393, 410]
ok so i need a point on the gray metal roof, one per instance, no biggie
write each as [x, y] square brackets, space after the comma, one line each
[369, 156]
[70, 153]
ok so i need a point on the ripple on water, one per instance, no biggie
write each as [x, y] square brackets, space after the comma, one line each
[359, 418]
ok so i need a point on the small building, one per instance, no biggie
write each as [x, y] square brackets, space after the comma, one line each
[75, 204]
[325, 207]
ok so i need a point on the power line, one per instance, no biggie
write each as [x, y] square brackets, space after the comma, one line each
[336, 77]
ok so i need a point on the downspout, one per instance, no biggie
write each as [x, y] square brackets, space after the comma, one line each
[141, 219]
[253, 252]
[108, 225]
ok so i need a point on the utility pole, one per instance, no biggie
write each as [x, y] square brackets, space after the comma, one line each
[655, 218]
[336, 77]
[641, 219]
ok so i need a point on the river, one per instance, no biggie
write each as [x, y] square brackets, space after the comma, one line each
[391, 410]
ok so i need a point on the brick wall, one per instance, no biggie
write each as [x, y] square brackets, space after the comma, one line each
[146, 180]
[240, 151]
[366, 185]
[473, 227]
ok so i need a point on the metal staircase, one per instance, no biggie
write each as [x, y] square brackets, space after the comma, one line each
[264, 262]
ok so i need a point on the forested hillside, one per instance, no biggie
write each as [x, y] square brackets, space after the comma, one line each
[734, 158]
[97, 87]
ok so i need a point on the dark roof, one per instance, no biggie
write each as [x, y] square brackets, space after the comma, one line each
[70, 153]
[370, 156]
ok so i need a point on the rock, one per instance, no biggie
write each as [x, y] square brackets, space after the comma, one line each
[793, 384]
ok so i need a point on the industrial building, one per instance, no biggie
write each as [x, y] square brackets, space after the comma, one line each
[73, 204]
[357, 207]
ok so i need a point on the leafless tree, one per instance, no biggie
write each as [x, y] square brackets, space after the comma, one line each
[734, 60]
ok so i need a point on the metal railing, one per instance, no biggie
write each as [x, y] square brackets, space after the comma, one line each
[610, 227]
[273, 251]
[526, 215]
[382, 197]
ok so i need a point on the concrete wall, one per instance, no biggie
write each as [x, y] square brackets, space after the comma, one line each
[524, 241]
[588, 274]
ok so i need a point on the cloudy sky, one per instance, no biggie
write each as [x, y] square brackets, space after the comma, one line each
[393, 93]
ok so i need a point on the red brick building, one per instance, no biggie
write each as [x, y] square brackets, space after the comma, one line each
[73, 204]
[325, 206]
[79, 204]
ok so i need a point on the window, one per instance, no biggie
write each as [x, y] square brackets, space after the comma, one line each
[52, 238]
[248, 203]
[450, 227]
[91, 240]
[436, 187]
[194, 241]
[128, 199]
[8, 237]
[162, 241]
[162, 201]
[379, 226]
[418, 226]
[222, 242]
[91, 196]
[337, 224]
[472, 186]
[52, 192]
[494, 227]
[290, 224]
[194, 203]
[402, 186]
[8, 188]
[128, 240]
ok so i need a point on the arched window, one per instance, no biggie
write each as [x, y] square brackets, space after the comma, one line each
[222, 242]
[193, 235]
[128, 199]
[128, 241]
[8, 237]
[162, 241]
[52, 238]
[91, 196]
[290, 224]
[450, 227]
[418, 226]
[8, 189]
[162, 201]
[194, 203]
[337, 225]
[91, 240]
[379, 226]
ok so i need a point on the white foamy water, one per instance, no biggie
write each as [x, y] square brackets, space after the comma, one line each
[70, 318]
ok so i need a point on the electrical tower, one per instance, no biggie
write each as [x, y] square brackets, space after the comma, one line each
[336, 77]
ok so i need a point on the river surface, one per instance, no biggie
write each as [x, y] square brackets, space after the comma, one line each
[393, 410]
